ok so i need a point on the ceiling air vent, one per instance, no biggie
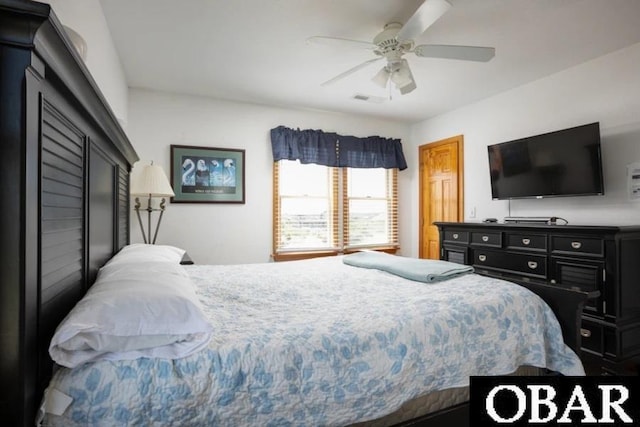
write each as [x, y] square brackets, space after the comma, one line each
[368, 98]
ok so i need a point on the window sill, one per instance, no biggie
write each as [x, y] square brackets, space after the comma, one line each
[388, 249]
[294, 256]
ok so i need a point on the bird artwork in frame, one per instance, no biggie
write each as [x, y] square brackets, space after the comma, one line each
[207, 174]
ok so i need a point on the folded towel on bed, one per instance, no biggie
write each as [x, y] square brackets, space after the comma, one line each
[420, 270]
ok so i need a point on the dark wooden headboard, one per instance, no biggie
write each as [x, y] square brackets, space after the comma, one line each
[64, 194]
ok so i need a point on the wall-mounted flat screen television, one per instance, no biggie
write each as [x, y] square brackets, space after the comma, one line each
[562, 163]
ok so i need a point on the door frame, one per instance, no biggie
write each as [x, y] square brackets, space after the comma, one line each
[459, 140]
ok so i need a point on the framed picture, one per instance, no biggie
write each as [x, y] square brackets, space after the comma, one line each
[207, 175]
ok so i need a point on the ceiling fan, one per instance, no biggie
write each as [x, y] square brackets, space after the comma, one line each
[397, 39]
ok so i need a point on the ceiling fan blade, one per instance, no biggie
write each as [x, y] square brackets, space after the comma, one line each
[350, 71]
[340, 42]
[465, 53]
[427, 14]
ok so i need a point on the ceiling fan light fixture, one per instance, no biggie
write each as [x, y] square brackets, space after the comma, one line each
[407, 88]
[403, 78]
[382, 77]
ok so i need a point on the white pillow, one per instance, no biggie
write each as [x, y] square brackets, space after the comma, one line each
[133, 310]
[142, 252]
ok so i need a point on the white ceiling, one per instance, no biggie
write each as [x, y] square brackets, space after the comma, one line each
[256, 51]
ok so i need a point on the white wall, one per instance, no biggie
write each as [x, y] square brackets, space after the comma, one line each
[605, 90]
[87, 19]
[233, 233]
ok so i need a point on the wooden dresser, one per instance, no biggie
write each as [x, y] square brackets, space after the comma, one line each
[590, 258]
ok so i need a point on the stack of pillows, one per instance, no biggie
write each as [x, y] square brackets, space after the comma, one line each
[143, 304]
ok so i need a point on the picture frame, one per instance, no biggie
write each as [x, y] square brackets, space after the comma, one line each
[207, 174]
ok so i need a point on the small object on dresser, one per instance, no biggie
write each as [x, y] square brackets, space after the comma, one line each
[489, 220]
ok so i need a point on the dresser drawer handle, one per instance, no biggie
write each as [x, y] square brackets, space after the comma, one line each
[485, 238]
[455, 236]
[585, 333]
[532, 265]
[576, 245]
[482, 258]
[526, 242]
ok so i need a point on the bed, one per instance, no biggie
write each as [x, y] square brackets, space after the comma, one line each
[314, 342]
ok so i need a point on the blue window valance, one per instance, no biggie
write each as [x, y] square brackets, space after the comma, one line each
[331, 149]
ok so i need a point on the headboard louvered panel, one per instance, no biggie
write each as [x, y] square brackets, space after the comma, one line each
[62, 205]
[123, 207]
[62, 240]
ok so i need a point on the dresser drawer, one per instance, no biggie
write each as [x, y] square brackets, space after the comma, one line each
[586, 275]
[534, 242]
[577, 245]
[455, 236]
[580, 273]
[486, 238]
[521, 264]
[600, 339]
[455, 254]
[591, 335]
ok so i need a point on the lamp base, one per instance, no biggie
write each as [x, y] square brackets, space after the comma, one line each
[149, 209]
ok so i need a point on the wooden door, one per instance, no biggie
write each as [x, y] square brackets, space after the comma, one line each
[441, 190]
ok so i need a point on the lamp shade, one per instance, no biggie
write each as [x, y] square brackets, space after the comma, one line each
[151, 181]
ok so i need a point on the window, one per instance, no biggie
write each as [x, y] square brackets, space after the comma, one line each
[371, 207]
[321, 210]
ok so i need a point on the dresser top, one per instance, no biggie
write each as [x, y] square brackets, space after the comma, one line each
[543, 227]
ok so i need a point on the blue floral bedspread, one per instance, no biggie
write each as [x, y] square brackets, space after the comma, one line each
[318, 342]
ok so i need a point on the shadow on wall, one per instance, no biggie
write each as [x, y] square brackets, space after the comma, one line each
[620, 148]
